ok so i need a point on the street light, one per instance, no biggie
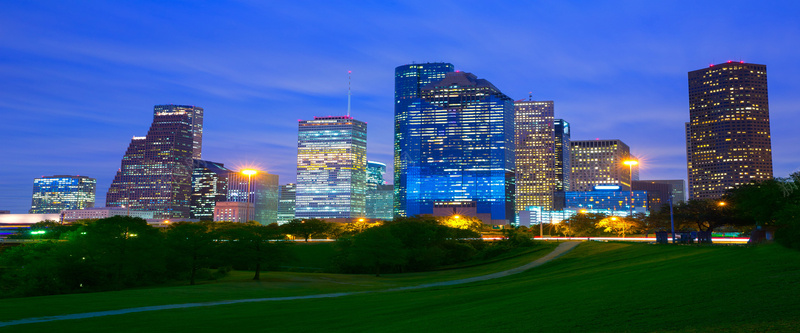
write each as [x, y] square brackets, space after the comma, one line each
[630, 164]
[249, 173]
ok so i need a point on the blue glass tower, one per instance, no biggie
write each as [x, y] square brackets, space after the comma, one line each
[408, 83]
[458, 147]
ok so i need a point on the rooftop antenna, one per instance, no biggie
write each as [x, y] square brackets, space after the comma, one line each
[348, 93]
[530, 95]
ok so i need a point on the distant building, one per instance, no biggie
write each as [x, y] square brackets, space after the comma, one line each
[331, 168]
[286, 203]
[380, 202]
[156, 171]
[534, 141]
[209, 186]
[5, 212]
[103, 212]
[457, 145]
[599, 162]
[563, 164]
[231, 211]
[52, 194]
[608, 198]
[658, 194]
[728, 141]
[678, 188]
[263, 194]
[408, 83]
[375, 173]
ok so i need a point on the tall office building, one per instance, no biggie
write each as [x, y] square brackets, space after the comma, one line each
[331, 168]
[52, 194]
[727, 137]
[260, 190]
[599, 162]
[286, 203]
[534, 140]
[209, 186]
[408, 83]
[563, 166]
[375, 173]
[458, 149]
[156, 171]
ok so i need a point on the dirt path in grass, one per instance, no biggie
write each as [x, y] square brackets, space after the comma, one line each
[560, 250]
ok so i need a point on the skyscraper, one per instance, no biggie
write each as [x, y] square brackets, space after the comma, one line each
[375, 173]
[263, 194]
[728, 139]
[209, 186]
[286, 203]
[408, 83]
[599, 162]
[458, 149]
[534, 140]
[331, 168]
[156, 171]
[52, 194]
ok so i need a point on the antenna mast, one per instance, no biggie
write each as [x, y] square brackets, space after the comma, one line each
[348, 93]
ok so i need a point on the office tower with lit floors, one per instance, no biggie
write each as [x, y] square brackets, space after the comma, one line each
[534, 140]
[156, 171]
[260, 189]
[728, 141]
[458, 150]
[209, 186]
[599, 162]
[408, 83]
[331, 168]
[52, 194]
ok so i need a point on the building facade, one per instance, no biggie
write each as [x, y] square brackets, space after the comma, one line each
[408, 83]
[102, 213]
[156, 171]
[658, 194]
[209, 186]
[232, 211]
[260, 190]
[458, 147]
[563, 166]
[678, 188]
[52, 194]
[534, 141]
[609, 199]
[286, 203]
[375, 174]
[599, 162]
[331, 168]
[728, 140]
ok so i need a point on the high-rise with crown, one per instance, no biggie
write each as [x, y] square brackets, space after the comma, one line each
[457, 150]
[52, 194]
[331, 168]
[728, 136]
[408, 83]
[534, 140]
[156, 171]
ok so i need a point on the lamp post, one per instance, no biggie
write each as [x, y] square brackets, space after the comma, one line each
[249, 173]
[630, 164]
[671, 219]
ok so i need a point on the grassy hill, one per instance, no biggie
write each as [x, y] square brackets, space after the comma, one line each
[608, 287]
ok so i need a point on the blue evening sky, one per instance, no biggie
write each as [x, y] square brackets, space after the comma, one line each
[78, 79]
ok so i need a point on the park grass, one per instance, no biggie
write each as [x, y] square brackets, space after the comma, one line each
[239, 285]
[598, 287]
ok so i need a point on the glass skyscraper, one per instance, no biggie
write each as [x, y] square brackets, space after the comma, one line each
[534, 139]
[408, 83]
[156, 171]
[457, 149]
[331, 168]
[563, 164]
[286, 203]
[53, 194]
[263, 194]
[209, 186]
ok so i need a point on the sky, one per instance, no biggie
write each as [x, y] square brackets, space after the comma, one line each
[78, 79]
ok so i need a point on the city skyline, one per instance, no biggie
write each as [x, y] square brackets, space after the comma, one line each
[79, 80]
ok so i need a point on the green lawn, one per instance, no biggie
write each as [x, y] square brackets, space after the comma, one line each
[607, 287]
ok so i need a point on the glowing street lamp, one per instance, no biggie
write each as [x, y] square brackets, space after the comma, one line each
[630, 164]
[249, 173]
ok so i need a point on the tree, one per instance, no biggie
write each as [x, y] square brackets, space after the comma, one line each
[305, 228]
[462, 222]
[259, 246]
[618, 225]
[583, 224]
[192, 246]
[376, 247]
